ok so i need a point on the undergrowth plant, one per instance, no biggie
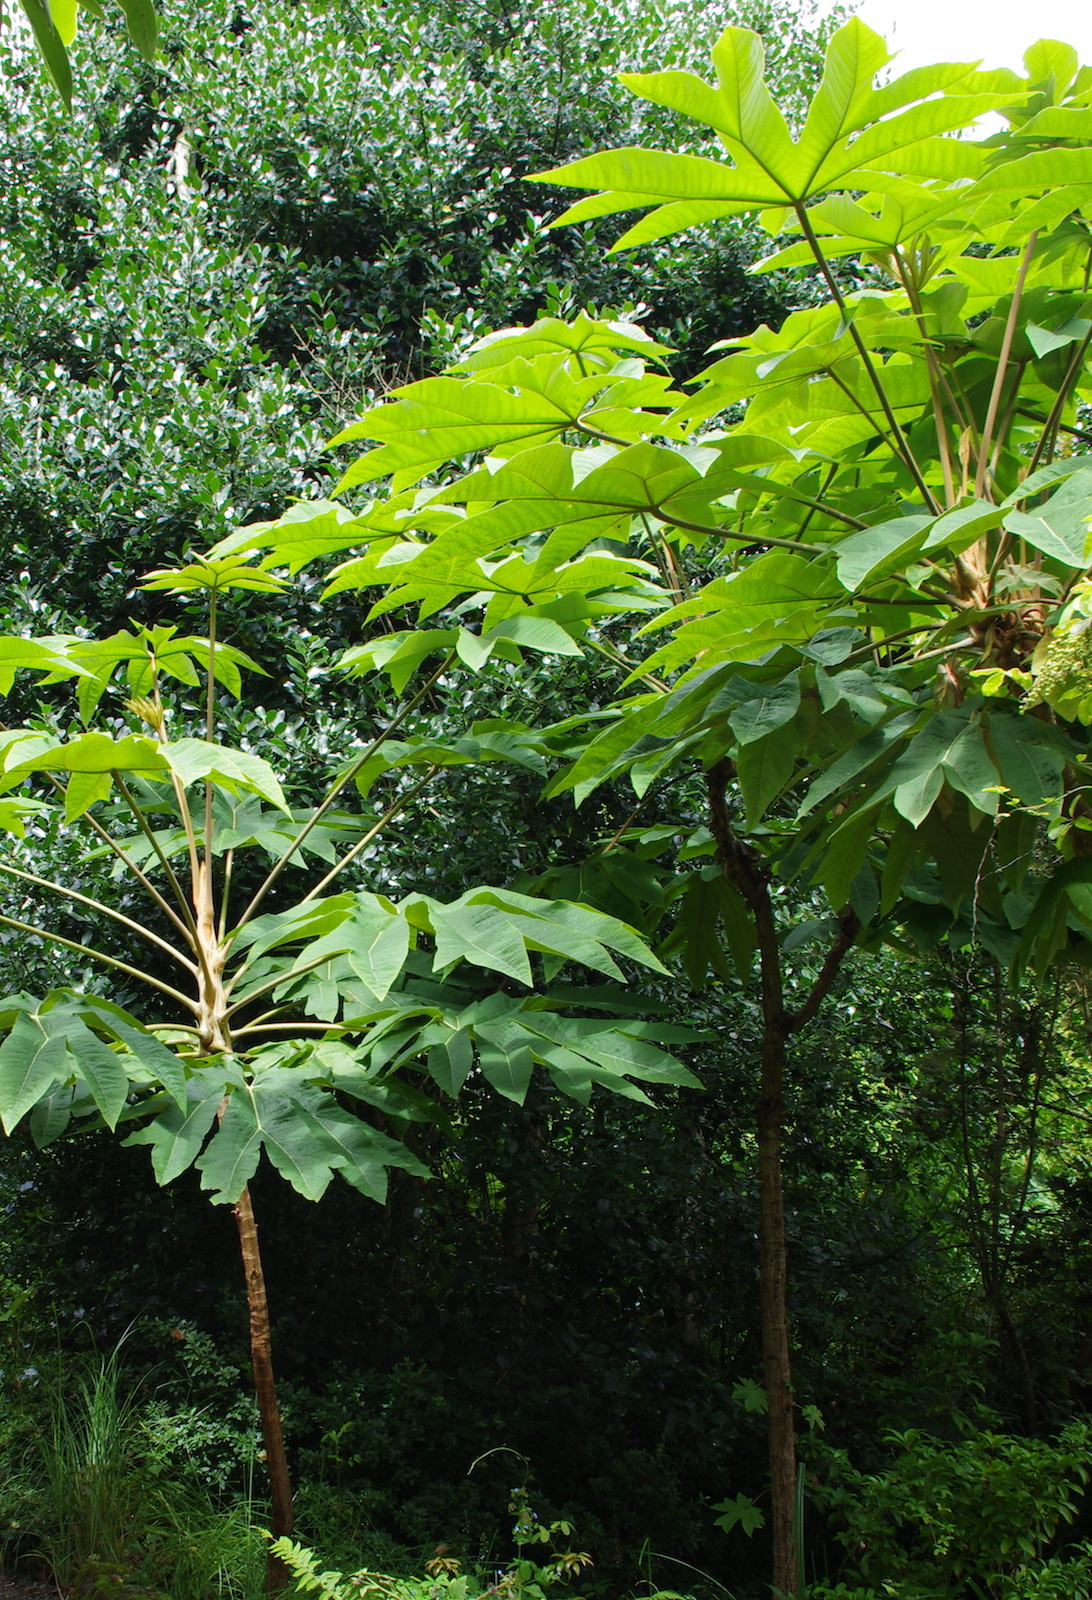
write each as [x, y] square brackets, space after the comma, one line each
[94, 1495]
[99, 1511]
[534, 1573]
[979, 1516]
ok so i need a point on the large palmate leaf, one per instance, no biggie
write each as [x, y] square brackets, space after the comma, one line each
[236, 770]
[496, 928]
[147, 652]
[506, 1037]
[304, 1134]
[522, 387]
[580, 497]
[86, 1045]
[854, 133]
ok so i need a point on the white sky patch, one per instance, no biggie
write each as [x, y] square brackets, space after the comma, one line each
[997, 31]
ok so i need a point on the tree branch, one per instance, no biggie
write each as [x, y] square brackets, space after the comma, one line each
[849, 925]
[747, 873]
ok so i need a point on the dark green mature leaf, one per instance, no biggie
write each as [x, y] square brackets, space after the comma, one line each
[763, 708]
[177, 1134]
[764, 766]
[50, 1117]
[232, 1156]
[507, 1065]
[707, 898]
[101, 1068]
[739, 1513]
[879, 549]
[360, 1153]
[482, 935]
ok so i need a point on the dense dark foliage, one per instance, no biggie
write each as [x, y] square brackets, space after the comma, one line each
[579, 1286]
[215, 260]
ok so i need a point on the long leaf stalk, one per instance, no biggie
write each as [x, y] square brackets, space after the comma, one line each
[268, 984]
[99, 956]
[102, 909]
[202, 948]
[187, 925]
[397, 805]
[210, 727]
[908, 458]
[1002, 368]
[338, 785]
[127, 862]
[937, 381]
[766, 540]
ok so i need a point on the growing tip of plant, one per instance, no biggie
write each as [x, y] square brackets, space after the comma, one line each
[214, 574]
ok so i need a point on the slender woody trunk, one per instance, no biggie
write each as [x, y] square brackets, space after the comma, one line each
[261, 1357]
[773, 1296]
[746, 870]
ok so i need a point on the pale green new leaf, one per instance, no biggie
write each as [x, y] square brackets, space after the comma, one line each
[47, 656]
[306, 531]
[212, 574]
[193, 759]
[96, 752]
[595, 341]
[441, 419]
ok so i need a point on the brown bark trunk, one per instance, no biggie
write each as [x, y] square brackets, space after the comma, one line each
[773, 1295]
[746, 871]
[261, 1357]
